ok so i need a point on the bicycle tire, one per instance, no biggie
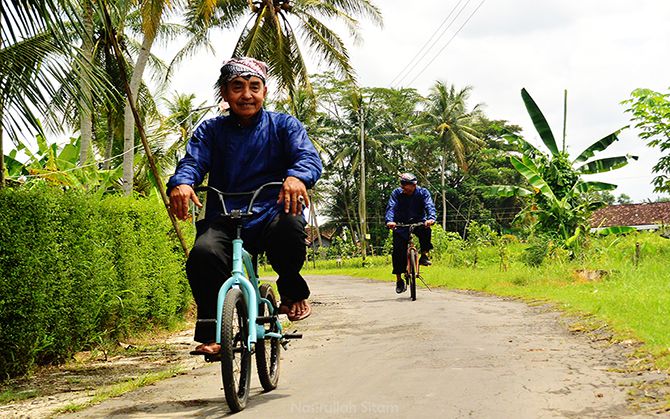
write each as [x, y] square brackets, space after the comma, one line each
[412, 273]
[235, 355]
[268, 352]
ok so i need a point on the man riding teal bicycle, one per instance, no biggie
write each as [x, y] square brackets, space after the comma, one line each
[409, 204]
[241, 152]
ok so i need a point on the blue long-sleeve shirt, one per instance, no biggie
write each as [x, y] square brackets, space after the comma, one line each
[242, 158]
[407, 209]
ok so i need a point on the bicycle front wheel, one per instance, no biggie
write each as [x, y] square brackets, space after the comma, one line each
[235, 355]
[268, 352]
[412, 273]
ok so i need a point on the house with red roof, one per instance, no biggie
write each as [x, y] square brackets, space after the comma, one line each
[648, 216]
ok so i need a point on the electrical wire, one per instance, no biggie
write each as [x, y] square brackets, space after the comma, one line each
[448, 42]
[423, 47]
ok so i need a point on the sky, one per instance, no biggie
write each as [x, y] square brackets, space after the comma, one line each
[597, 50]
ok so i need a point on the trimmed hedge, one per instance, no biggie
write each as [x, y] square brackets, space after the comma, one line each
[76, 269]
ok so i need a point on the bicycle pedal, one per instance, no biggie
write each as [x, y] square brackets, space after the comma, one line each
[265, 319]
[292, 336]
[213, 358]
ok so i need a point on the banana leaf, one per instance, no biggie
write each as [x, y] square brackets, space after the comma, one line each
[532, 176]
[616, 230]
[600, 145]
[604, 165]
[540, 122]
[594, 186]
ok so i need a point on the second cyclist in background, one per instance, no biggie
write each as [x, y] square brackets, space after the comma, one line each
[409, 204]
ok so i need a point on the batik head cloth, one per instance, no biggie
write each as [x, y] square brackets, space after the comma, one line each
[243, 67]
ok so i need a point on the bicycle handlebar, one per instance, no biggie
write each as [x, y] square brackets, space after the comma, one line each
[419, 224]
[254, 194]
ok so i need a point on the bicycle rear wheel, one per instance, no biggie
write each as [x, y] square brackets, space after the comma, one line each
[235, 355]
[268, 352]
[412, 273]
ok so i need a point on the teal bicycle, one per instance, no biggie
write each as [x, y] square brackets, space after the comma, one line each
[247, 320]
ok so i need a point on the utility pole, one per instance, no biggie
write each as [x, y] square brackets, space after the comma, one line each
[361, 198]
[565, 114]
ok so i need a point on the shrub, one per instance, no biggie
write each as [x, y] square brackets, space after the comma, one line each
[75, 269]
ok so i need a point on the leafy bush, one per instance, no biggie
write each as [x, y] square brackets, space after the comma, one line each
[75, 270]
[448, 246]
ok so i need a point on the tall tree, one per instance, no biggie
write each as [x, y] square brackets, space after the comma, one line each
[650, 111]
[453, 126]
[273, 27]
[152, 13]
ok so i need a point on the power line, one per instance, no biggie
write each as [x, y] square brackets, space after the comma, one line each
[402, 72]
[448, 42]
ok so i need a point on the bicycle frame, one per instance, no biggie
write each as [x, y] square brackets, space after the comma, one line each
[249, 287]
[247, 283]
[410, 246]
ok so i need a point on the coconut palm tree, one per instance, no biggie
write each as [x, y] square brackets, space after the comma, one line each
[452, 124]
[35, 35]
[273, 26]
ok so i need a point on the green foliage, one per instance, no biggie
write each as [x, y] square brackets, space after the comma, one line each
[60, 166]
[75, 270]
[537, 251]
[651, 112]
[563, 202]
[478, 235]
[448, 247]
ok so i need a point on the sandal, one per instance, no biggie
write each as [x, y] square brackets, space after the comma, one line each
[287, 305]
[210, 348]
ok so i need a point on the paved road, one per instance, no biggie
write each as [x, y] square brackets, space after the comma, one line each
[368, 352]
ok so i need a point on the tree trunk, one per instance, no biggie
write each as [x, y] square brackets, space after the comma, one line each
[2, 152]
[107, 163]
[109, 148]
[143, 137]
[444, 195]
[361, 199]
[128, 121]
[85, 101]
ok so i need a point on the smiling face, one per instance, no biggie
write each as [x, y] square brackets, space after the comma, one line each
[245, 96]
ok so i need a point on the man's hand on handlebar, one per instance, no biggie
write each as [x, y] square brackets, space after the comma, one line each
[180, 195]
[429, 223]
[293, 195]
[391, 225]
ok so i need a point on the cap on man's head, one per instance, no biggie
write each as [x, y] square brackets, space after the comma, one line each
[242, 67]
[407, 179]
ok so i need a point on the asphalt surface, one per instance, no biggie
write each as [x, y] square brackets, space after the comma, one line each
[370, 353]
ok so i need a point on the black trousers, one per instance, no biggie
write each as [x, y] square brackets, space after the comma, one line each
[209, 263]
[400, 239]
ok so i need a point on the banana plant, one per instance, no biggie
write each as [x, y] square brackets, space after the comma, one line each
[59, 166]
[562, 201]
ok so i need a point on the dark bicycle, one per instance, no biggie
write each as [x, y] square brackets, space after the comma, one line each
[412, 270]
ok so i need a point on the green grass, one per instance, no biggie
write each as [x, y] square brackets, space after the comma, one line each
[634, 300]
